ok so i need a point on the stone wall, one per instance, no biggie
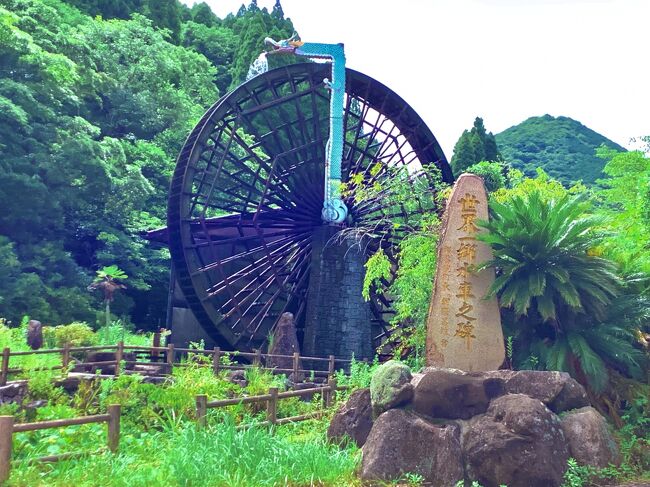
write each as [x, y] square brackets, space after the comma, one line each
[338, 320]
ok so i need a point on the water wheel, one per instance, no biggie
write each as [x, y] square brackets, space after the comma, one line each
[247, 194]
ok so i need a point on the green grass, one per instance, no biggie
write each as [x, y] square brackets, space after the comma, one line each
[77, 334]
[160, 443]
[218, 456]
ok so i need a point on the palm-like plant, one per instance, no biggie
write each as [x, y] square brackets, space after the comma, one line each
[541, 251]
[590, 347]
[558, 295]
[107, 280]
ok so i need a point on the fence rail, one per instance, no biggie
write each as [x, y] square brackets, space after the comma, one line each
[167, 357]
[8, 428]
[328, 394]
[112, 417]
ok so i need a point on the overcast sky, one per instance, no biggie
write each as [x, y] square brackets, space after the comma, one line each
[503, 60]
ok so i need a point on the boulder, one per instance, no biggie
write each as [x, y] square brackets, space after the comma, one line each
[390, 386]
[70, 384]
[401, 442]
[151, 369]
[34, 334]
[557, 390]
[301, 386]
[285, 342]
[518, 442]
[157, 379]
[446, 394]
[237, 377]
[590, 441]
[417, 377]
[101, 356]
[353, 420]
[13, 392]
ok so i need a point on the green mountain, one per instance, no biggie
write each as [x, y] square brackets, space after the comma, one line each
[563, 147]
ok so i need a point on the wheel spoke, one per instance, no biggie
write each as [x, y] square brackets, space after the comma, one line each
[248, 191]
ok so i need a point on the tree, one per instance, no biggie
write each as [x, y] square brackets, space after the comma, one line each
[626, 201]
[251, 26]
[202, 14]
[494, 174]
[474, 146]
[108, 282]
[463, 153]
[218, 44]
[277, 12]
[95, 103]
[165, 14]
[558, 294]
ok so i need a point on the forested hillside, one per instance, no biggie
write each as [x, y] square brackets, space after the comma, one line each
[563, 147]
[96, 98]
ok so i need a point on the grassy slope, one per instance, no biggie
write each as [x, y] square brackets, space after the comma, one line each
[218, 456]
[562, 146]
[160, 444]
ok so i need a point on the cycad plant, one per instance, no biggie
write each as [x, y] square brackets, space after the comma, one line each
[559, 296]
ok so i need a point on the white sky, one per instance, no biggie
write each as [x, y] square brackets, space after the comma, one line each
[503, 60]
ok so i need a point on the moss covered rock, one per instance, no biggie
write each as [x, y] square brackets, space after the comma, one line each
[390, 387]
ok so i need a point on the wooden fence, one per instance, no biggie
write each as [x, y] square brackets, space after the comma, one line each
[112, 418]
[8, 428]
[165, 357]
[328, 394]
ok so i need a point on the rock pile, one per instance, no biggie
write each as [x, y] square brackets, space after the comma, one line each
[516, 428]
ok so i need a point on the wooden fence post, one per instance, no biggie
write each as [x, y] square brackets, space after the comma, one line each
[113, 437]
[170, 357]
[216, 357]
[296, 366]
[257, 361]
[5, 366]
[202, 410]
[331, 395]
[118, 357]
[6, 437]
[65, 357]
[272, 406]
[156, 344]
[331, 369]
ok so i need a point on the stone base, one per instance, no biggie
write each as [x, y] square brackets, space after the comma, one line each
[338, 321]
[186, 328]
[501, 426]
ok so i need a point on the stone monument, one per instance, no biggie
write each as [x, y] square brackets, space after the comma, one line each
[464, 329]
[34, 334]
[285, 343]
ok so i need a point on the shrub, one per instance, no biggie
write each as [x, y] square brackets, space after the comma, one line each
[77, 334]
[492, 174]
[568, 309]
